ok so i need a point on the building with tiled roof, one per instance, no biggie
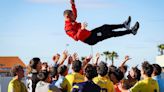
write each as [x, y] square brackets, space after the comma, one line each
[6, 63]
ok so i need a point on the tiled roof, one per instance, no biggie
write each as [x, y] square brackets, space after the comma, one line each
[8, 62]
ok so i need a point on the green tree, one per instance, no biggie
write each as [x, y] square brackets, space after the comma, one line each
[113, 55]
[110, 56]
[161, 48]
[106, 54]
[83, 57]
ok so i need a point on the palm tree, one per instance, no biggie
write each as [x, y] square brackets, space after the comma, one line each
[110, 56]
[83, 57]
[113, 56]
[161, 48]
[106, 54]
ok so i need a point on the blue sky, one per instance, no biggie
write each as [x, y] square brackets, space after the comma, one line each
[35, 28]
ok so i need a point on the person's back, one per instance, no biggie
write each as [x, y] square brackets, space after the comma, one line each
[105, 84]
[34, 80]
[160, 81]
[62, 83]
[16, 86]
[88, 86]
[146, 85]
[156, 75]
[73, 79]
[43, 84]
[44, 87]
[102, 79]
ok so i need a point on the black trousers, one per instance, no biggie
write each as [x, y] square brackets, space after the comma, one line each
[104, 32]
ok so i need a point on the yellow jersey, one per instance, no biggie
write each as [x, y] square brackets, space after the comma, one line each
[146, 85]
[16, 85]
[73, 79]
[105, 83]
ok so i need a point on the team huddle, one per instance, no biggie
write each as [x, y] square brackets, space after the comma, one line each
[69, 74]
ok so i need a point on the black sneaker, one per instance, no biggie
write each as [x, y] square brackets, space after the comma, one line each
[135, 28]
[127, 23]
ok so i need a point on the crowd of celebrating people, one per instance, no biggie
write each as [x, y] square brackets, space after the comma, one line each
[70, 74]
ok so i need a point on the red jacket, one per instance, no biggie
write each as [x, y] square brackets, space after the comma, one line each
[73, 29]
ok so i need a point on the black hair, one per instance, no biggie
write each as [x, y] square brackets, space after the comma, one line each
[53, 71]
[42, 75]
[157, 69]
[15, 69]
[102, 69]
[76, 66]
[34, 62]
[147, 68]
[67, 12]
[90, 72]
[126, 84]
[111, 68]
[123, 68]
[137, 73]
[117, 73]
[62, 69]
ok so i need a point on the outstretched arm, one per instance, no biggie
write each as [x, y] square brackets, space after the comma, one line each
[74, 10]
[64, 57]
[97, 59]
[126, 59]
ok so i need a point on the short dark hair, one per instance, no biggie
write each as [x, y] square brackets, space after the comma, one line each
[123, 68]
[33, 62]
[90, 71]
[126, 84]
[147, 68]
[15, 69]
[53, 71]
[157, 69]
[116, 72]
[111, 68]
[137, 73]
[102, 69]
[76, 66]
[62, 69]
[42, 75]
[67, 12]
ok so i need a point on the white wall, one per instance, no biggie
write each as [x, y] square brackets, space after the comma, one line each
[160, 60]
[4, 81]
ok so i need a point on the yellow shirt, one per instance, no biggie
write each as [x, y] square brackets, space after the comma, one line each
[73, 79]
[105, 84]
[146, 85]
[16, 85]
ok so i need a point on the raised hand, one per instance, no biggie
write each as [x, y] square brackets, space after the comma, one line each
[75, 57]
[127, 58]
[97, 58]
[70, 59]
[84, 25]
[56, 58]
[64, 57]
[97, 55]
[65, 54]
[88, 59]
